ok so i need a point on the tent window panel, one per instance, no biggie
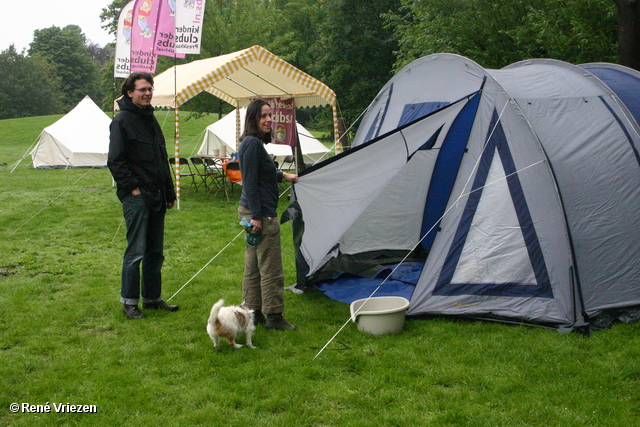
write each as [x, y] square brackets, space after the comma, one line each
[446, 284]
[412, 112]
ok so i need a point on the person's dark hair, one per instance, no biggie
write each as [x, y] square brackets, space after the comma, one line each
[130, 82]
[251, 119]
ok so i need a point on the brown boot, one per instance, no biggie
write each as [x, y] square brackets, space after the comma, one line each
[277, 321]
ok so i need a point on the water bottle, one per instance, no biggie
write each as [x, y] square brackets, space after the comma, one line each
[246, 224]
[252, 239]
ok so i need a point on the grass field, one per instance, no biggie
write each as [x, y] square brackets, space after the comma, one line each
[65, 342]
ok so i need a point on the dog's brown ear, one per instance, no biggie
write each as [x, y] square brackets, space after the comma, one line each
[241, 318]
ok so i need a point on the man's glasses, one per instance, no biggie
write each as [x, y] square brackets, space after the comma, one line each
[145, 89]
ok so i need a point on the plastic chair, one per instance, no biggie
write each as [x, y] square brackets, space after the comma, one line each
[232, 175]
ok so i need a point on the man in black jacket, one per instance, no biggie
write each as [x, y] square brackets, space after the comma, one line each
[140, 167]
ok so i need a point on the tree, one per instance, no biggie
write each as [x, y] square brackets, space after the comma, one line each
[29, 86]
[629, 32]
[230, 26]
[110, 14]
[354, 55]
[299, 33]
[501, 32]
[67, 49]
[101, 55]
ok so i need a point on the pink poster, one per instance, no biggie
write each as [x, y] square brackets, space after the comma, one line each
[284, 121]
[164, 41]
[145, 18]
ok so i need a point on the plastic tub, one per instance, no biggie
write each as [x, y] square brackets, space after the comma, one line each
[379, 315]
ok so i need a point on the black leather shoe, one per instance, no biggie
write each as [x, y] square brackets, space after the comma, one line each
[160, 305]
[276, 321]
[132, 311]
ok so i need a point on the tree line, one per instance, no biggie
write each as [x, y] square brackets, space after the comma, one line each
[354, 46]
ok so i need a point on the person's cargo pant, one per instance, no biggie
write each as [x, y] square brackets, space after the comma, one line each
[263, 281]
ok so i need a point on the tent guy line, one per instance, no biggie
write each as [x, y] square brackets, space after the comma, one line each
[455, 203]
[50, 202]
[214, 257]
[206, 265]
[484, 147]
[16, 164]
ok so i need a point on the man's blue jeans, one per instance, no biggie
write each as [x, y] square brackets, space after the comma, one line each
[145, 242]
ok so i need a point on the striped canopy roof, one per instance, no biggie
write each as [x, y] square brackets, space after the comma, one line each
[237, 78]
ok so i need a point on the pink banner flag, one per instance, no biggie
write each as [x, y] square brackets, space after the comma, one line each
[145, 18]
[164, 41]
[284, 121]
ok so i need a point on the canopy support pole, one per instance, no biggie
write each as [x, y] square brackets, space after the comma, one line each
[177, 155]
[336, 133]
[237, 127]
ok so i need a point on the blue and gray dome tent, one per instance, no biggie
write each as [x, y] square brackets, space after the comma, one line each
[514, 194]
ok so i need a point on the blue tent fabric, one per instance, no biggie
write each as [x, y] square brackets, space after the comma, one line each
[412, 112]
[441, 185]
[624, 85]
[348, 288]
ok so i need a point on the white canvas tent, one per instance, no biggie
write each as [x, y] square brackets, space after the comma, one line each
[221, 136]
[515, 194]
[237, 78]
[78, 139]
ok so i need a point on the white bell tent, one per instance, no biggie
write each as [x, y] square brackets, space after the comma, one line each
[78, 139]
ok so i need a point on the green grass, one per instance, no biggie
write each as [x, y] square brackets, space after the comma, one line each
[63, 338]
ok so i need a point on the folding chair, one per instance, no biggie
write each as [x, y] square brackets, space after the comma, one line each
[183, 162]
[214, 168]
[289, 160]
[202, 173]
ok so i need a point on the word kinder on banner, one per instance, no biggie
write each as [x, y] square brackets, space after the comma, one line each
[123, 42]
[284, 121]
[188, 30]
[145, 19]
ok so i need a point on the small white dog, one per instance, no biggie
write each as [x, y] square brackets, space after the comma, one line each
[230, 322]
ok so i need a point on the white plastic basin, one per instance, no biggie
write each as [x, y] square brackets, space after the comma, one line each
[379, 315]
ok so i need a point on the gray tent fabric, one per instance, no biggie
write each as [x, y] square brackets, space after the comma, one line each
[518, 188]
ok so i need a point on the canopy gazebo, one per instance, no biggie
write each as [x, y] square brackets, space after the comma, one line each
[237, 78]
